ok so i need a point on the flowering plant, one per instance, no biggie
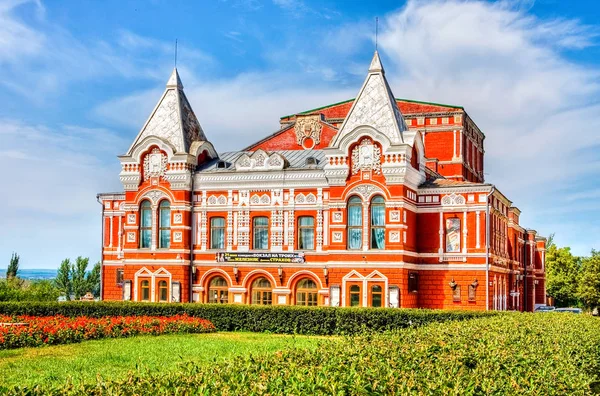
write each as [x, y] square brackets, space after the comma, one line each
[30, 331]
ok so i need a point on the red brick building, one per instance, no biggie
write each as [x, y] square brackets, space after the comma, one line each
[375, 201]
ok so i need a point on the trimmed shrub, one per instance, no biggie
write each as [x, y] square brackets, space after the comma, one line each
[511, 354]
[274, 319]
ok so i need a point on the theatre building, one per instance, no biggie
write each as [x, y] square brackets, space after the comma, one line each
[371, 202]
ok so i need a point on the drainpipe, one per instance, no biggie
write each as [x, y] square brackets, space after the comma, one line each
[487, 249]
[525, 291]
[101, 249]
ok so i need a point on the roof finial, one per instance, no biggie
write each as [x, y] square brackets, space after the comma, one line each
[175, 53]
[376, 31]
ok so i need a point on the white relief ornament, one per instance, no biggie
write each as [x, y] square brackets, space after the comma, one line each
[131, 218]
[337, 217]
[337, 237]
[177, 218]
[308, 128]
[366, 156]
[394, 236]
[395, 216]
[131, 237]
[155, 164]
[177, 237]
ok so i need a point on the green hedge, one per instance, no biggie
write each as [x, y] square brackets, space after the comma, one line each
[511, 354]
[282, 319]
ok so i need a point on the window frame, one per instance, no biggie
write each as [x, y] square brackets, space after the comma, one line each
[145, 206]
[355, 292]
[413, 282]
[373, 227]
[261, 227]
[221, 228]
[262, 291]
[374, 293]
[307, 290]
[160, 288]
[145, 285]
[167, 208]
[300, 228]
[354, 201]
[220, 289]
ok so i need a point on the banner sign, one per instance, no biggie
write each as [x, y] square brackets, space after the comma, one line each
[260, 257]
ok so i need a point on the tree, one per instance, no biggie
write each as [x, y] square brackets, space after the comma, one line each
[78, 278]
[13, 267]
[589, 284]
[562, 274]
[63, 278]
[93, 279]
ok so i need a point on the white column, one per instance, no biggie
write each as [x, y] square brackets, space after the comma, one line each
[110, 243]
[365, 226]
[441, 250]
[465, 232]
[477, 229]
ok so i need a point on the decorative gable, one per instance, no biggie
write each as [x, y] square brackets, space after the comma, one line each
[260, 160]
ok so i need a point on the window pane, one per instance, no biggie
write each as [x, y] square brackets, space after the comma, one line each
[146, 238]
[355, 238]
[217, 238]
[261, 221]
[301, 298]
[377, 215]
[261, 238]
[376, 300]
[306, 239]
[217, 222]
[306, 221]
[165, 217]
[354, 299]
[355, 215]
[377, 238]
[165, 238]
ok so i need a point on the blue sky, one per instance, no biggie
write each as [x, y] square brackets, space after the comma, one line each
[79, 78]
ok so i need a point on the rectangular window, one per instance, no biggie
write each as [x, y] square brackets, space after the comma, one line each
[413, 282]
[217, 233]
[306, 233]
[165, 225]
[453, 235]
[260, 233]
[119, 276]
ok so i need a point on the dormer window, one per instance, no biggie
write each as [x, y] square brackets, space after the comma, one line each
[311, 161]
[221, 164]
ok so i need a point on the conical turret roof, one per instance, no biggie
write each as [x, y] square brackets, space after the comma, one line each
[173, 119]
[375, 106]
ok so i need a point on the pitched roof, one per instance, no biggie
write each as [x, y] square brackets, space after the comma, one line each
[375, 106]
[296, 159]
[172, 119]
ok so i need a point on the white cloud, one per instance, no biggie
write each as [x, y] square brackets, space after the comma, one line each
[54, 175]
[537, 108]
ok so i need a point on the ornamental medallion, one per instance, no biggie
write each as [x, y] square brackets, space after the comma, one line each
[155, 164]
[366, 156]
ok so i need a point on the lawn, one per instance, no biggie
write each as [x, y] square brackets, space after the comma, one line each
[115, 358]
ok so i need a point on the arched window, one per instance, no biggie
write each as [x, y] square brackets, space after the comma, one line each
[306, 233]
[145, 290]
[260, 233]
[218, 291]
[163, 291]
[355, 296]
[306, 292]
[261, 292]
[355, 223]
[378, 223]
[145, 224]
[376, 296]
[165, 225]
[217, 233]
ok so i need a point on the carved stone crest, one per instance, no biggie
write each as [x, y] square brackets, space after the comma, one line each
[366, 156]
[308, 128]
[155, 164]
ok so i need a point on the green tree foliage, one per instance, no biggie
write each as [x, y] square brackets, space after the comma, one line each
[589, 284]
[75, 280]
[78, 278]
[63, 278]
[13, 267]
[39, 290]
[562, 274]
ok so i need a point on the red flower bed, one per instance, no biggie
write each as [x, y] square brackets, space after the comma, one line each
[51, 330]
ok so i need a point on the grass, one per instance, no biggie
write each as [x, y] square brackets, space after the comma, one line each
[115, 358]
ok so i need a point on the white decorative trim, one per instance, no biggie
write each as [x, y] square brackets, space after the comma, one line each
[155, 164]
[453, 200]
[394, 236]
[366, 157]
[337, 237]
